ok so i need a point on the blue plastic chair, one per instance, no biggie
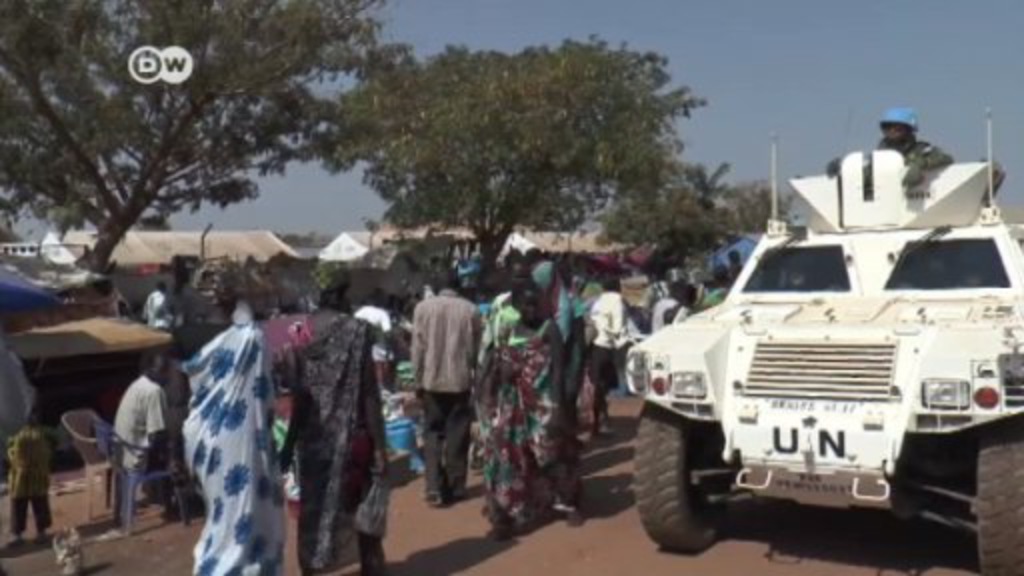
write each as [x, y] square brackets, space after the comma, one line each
[131, 480]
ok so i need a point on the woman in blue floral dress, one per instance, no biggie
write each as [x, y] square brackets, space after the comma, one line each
[229, 448]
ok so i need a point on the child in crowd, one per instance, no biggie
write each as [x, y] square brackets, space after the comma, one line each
[29, 453]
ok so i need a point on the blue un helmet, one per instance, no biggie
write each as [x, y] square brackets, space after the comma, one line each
[904, 116]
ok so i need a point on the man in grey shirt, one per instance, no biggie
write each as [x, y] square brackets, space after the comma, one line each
[446, 333]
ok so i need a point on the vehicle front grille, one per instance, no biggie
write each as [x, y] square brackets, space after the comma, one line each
[1013, 390]
[827, 370]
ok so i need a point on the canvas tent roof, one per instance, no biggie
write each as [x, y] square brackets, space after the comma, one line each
[579, 242]
[345, 248]
[85, 338]
[352, 246]
[143, 247]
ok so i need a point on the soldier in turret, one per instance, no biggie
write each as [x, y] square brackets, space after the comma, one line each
[899, 133]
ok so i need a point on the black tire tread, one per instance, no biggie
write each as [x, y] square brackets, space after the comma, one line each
[1000, 503]
[663, 496]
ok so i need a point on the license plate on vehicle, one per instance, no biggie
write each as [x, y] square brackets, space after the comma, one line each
[819, 406]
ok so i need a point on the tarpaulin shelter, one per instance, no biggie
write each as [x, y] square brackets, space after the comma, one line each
[742, 245]
[85, 338]
[84, 364]
[17, 294]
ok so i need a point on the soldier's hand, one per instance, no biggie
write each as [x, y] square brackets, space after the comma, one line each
[832, 169]
[913, 177]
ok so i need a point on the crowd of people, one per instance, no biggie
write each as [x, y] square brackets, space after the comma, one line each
[519, 367]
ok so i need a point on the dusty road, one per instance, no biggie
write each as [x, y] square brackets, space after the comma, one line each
[761, 539]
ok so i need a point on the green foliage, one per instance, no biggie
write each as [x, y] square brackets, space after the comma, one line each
[749, 206]
[328, 274]
[696, 212]
[81, 142]
[542, 138]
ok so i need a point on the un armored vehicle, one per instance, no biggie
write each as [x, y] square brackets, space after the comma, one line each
[871, 358]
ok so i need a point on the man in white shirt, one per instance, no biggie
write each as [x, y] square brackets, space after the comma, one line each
[608, 316]
[157, 312]
[141, 419]
[676, 305]
[376, 315]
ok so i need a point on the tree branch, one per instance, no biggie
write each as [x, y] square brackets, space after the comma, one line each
[148, 179]
[42, 105]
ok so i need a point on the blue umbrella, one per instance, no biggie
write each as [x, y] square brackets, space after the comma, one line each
[18, 295]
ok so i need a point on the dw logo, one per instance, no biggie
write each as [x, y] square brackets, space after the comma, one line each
[147, 65]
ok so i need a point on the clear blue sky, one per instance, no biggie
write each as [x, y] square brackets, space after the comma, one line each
[818, 73]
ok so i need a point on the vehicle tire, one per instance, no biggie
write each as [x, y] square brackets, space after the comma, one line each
[673, 512]
[1000, 503]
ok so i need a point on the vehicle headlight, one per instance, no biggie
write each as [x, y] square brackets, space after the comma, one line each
[638, 371]
[689, 385]
[946, 394]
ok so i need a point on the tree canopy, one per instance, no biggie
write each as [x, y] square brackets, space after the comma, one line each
[81, 142]
[542, 138]
[695, 212]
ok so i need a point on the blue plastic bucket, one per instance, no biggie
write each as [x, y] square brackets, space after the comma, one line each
[401, 435]
[402, 438]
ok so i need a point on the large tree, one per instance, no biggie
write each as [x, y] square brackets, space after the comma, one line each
[81, 142]
[489, 141]
[748, 206]
[695, 212]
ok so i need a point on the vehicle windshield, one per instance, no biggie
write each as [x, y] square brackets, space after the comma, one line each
[950, 265]
[801, 269]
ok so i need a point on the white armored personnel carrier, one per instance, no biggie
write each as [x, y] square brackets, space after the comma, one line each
[872, 358]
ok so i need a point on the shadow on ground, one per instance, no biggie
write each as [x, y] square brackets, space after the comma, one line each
[451, 558]
[869, 538]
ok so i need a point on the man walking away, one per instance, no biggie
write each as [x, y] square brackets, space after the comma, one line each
[375, 313]
[608, 317]
[157, 313]
[446, 330]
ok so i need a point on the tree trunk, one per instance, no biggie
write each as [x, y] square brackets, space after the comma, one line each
[108, 237]
[490, 248]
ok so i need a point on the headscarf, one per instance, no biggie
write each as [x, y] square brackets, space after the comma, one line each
[229, 448]
[555, 301]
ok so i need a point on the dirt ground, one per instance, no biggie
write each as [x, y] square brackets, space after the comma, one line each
[762, 538]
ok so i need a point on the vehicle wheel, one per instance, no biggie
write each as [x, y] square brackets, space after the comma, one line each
[1000, 503]
[674, 514]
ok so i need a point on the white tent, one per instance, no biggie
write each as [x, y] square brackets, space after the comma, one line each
[344, 248]
[517, 242]
[54, 250]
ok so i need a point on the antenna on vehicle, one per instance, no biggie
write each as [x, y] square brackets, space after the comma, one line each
[775, 226]
[991, 157]
[990, 213]
[775, 176]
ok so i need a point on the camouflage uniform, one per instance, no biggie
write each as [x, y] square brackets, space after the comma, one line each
[920, 157]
